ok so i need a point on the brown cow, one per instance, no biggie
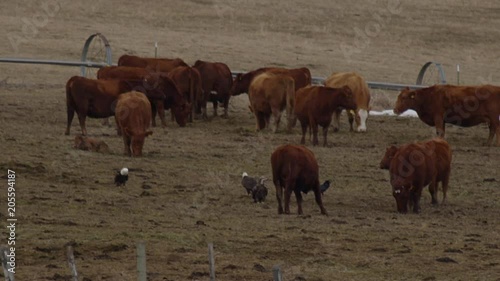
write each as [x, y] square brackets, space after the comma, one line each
[301, 77]
[413, 166]
[155, 80]
[463, 106]
[90, 144]
[188, 81]
[217, 80]
[271, 94]
[133, 116]
[314, 105]
[97, 98]
[361, 92]
[295, 169]
[151, 64]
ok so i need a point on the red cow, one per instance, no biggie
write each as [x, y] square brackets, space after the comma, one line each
[314, 105]
[463, 106]
[413, 166]
[133, 116]
[216, 80]
[295, 169]
[188, 81]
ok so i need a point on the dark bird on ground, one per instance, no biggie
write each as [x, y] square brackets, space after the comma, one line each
[259, 192]
[121, 177]
[248, 182]
[324, 186]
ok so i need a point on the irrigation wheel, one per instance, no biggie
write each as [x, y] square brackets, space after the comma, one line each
[431, 73]
[95, 51]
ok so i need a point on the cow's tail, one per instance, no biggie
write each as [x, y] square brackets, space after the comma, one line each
[70, 103]
[290, 104]
[191, 94]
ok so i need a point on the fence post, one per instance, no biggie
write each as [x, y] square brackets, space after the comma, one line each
[156, 49]
[211, 261]
[71, 263]
[9, 275]
[141, 261]
[277, 273]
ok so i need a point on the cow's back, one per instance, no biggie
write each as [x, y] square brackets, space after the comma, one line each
[355, 82]
[269, 91]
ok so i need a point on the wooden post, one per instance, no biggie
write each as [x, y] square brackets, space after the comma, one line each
[141, 261]
[9, 275]
[211, 261]
[277, 273]
[71, 263]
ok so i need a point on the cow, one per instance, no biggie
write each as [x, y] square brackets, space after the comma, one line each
[415, 165]
[361, 92]
[314, 105]
[463, 106]
[188, 81]
[241, 83]
[90, 144]
[151, 64]
[295, 169]
[271, 94]
[155, 80]
[133, 116]
[216, 80]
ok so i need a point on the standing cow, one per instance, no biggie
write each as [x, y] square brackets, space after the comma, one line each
[361, 92]
[271, 94]
[188, 81]
[216, 80]
[133, 116]
[314, 105]
[463, 106]
[295, 169]
[413, 166]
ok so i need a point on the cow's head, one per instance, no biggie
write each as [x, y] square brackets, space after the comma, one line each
[137, 143]
[181, 113]
[405, 101]
[390, 152]
[240, 85]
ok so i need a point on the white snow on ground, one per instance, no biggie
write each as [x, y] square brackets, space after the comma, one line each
[389, 112]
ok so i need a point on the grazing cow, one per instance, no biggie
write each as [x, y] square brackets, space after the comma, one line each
[90, 144]
[188, 81]
[151, 64]
[295, 169]
[361, 92]
[97, 98]
[133, 116]
[301, 77]
[156, 80]
[463, 106]
[413, 166]
[216, 80]
[271, 94]
[314, 105]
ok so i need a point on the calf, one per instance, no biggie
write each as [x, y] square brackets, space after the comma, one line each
[295, 169]
[413, 166]
[90, 144]
[133, 116]
[314, 105]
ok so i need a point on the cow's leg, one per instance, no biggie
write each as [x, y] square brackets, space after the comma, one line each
[494, 129]
[126, 145]
[81, 119]
[325, 134]
[215, 104]
[267, 118]
[279, 196]
[288, 195]
[161, 112]
[153, 115]
[277, 119]
[433, 190]
[350, 116]
[336, 120]
[71, 114]
[444, 184]
[227, 96]
[298, 196]
[319, 201]
[303, 125]
[260, 119]
[416, 199]
[439, 123]
[118, 129]
[314, 127]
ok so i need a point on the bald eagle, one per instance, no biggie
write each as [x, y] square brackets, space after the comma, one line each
[121, 177]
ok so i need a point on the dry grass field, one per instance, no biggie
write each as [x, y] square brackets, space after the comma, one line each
[185, 192]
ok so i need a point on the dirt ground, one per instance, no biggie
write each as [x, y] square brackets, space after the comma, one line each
[185, 192]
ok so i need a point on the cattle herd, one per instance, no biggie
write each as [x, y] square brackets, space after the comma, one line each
[139, 88]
